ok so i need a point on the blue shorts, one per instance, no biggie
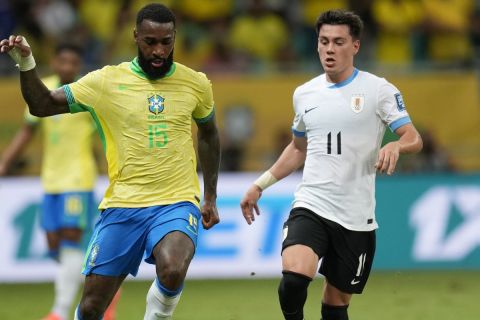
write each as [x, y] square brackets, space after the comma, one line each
[122, 236]
[68, 210]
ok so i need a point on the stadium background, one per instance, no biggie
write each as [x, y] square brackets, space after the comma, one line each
[256, 53]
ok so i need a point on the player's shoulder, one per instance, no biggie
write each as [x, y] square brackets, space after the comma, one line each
[191, 77]
[371, 79]
[187, 72]
[310, 84]
[111, 69]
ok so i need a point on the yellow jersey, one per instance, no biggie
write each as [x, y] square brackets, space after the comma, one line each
[145, 126]
[68, 162]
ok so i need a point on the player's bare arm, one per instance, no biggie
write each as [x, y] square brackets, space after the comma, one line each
[292, 157]
[209, 155]
[41, 101]
[410, 142]
[15, 148]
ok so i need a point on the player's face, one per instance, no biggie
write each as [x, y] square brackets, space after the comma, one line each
[67, 65]
[336, 49]
[155, 43]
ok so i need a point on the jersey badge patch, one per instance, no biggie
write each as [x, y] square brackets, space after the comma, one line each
[155, 104]
[93, 255]
[400, 103]
[357, 102]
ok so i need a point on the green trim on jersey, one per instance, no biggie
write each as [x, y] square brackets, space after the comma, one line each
[135, 67]
[207, 118]
[78, 107]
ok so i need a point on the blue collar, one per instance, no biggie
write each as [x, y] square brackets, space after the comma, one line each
[346, 81]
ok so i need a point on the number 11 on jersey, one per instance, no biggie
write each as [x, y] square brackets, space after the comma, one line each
[339, 143]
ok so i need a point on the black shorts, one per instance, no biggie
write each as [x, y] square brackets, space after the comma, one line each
[347, 255]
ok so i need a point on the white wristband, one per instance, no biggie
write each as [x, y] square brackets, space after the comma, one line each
[23, 63]
[265, 180]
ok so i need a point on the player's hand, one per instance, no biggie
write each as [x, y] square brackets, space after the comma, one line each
[19, 49]
[209, 214]
[388, 157]
[249, 203]
[13, 42]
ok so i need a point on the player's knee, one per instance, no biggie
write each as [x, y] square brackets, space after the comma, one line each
[293, 283]
[171, 275]
[90, 309]
[330, 312]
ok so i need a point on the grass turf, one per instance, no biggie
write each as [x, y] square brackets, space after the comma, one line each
[425, 295]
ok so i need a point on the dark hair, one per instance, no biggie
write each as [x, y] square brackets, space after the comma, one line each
[155, 12]
[67, 46]
[338, 17]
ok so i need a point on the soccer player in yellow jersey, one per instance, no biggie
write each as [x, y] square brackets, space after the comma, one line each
[143, 110]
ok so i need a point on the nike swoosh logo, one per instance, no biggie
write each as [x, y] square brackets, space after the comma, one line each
[308, 110]
[354, 282]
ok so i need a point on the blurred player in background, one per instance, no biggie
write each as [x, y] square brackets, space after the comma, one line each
[143, 110]
[68, 177]
[340, 119]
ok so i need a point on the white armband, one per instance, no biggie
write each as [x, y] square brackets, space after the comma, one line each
[23, 63]
[265, 180]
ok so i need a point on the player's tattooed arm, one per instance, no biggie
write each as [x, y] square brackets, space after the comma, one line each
[41, 101]
[209, 154]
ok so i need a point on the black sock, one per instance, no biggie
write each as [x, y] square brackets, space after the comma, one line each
[334, 312]
[292, 293]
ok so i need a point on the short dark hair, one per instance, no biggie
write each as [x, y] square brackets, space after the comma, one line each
[155, 12]
[338, 17]
[68, 46]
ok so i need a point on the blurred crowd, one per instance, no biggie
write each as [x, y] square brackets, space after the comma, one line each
[252, 35]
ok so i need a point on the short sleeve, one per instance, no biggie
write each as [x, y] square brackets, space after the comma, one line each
[391, 107]
[85, 92]
[298, 126]
[204, 110]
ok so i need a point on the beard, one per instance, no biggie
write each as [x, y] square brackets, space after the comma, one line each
[151, 71]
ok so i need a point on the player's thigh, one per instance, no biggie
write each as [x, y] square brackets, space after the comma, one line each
[300, 259]
[73, 235]
[335, 297]
[304, 242]
[172, 237]
[349, 259]
[118, 242]
[174, 253]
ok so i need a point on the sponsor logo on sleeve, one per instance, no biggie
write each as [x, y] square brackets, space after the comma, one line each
[400, 103]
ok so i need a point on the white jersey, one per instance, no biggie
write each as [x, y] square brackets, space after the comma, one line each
[344, 124]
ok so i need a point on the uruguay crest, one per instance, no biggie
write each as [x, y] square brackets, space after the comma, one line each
[357, 102]
[155, 104]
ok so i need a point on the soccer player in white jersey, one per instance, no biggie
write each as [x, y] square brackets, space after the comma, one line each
[152, 208]
[340, 120]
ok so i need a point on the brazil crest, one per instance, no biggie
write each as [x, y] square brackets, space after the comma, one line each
[155, 104]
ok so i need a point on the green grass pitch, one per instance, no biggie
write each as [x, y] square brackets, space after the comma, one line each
[445, 295]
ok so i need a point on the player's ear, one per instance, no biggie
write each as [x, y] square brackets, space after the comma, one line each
[356, 46]
[135, 35]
